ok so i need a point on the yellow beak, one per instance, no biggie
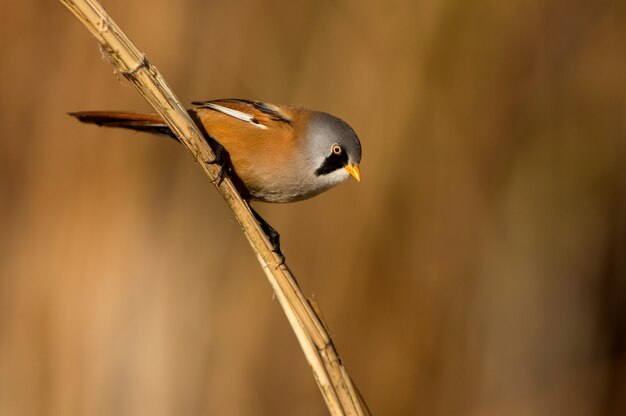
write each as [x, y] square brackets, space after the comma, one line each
[353, 170]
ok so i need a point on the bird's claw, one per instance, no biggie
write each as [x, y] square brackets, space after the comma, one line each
[222, 159]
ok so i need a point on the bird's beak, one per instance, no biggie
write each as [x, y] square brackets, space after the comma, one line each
[353, 170]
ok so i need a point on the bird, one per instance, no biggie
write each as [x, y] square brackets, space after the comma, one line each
[273, 153]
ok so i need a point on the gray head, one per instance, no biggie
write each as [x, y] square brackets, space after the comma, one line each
[334, 148]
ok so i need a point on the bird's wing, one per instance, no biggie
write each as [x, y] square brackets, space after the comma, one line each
[259, 114]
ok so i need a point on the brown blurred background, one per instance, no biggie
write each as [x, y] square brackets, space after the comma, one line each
[478, 269]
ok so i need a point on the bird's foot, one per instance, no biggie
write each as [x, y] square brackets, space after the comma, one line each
[272, 235]
[222, 158]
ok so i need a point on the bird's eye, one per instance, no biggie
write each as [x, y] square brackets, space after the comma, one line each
[337, 149]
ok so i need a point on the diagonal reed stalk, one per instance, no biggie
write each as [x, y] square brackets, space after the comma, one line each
[339, 393]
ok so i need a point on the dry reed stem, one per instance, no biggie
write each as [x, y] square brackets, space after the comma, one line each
[331, 376]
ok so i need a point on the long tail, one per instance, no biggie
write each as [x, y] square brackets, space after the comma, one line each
[149, 123]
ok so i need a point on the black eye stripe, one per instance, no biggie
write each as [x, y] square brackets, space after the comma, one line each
[332, 163]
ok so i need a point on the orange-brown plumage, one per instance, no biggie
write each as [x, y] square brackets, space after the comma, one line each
[280, 153]
[267, 152]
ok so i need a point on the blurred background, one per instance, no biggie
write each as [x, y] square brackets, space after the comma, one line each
[479, 268]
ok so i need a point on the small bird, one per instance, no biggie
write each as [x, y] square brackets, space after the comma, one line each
[273, 153]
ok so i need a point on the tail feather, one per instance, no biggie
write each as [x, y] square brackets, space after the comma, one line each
[149, 123]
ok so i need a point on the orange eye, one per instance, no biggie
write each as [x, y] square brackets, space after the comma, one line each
[337, 149]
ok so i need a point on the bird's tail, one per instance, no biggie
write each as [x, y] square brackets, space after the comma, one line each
[149, 123]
